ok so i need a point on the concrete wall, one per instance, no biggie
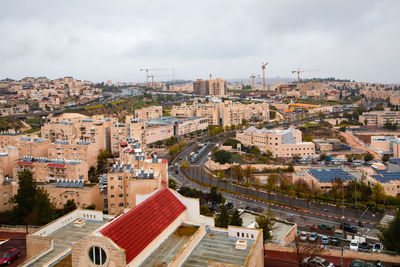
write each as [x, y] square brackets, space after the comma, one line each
[184, 253]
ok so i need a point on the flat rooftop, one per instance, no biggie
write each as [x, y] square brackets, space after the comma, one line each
[218, 247]
[65, 236]
[171, 246]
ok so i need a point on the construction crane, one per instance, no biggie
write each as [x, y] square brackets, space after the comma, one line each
[151, 69]
[252, 76]
[263, 73]
[298, 71]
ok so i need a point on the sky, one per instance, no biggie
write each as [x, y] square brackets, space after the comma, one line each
[100, 40]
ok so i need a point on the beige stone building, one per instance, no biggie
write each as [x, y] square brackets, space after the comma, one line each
[45, 170]
[215, 87]
[395, 99]
[8, 188]
[164, 221]
[152, 112]
[282, 143]
[135, 174]
[378, 118]
[81, 150]
[225, 113]
[8, 156]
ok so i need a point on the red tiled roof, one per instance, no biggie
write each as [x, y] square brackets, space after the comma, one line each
[136, 229]
[24, 163]
[123, 144]
[164, 161]
[56, 165]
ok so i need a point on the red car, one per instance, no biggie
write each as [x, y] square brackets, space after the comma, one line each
[10, 256]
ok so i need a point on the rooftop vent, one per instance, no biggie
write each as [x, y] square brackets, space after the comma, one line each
[241, 244]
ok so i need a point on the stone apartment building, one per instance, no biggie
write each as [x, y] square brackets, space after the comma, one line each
[379, 118]
[45, 169]
[224, 113]
[81, 150]
[215, 87]
[152, 112]
[135, 174]
[282, 143]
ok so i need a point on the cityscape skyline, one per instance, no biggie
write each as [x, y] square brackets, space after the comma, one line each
[114, 41]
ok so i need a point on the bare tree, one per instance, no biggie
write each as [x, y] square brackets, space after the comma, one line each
[304, 250]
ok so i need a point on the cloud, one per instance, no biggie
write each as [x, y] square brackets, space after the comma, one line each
[101, 40]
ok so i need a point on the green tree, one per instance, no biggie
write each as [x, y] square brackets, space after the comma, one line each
[215, 196]
[336, 189]
[222, 156]
[185, 164]
[236, 220]
[378, 194]
[25, 197]
[308, 138]
[43, 210]
[255, 150]
[385, 158]
[204, 210]
[266, 223]
[172, 184]
[69, 206]
[368, 157]
[222, 219]
[389, 235]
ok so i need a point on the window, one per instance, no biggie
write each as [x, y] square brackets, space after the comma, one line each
[121, 195]
[112, 187]
[112, 196]
[121, 204]
[97, 255]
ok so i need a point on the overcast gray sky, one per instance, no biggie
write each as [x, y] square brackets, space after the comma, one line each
[100, 40]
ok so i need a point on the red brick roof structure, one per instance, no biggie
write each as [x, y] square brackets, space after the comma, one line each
[137, 228]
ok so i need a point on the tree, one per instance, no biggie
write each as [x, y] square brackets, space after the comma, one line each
[378, 194]
[237, 172]
[308, 138]
[236, 220]
[222, 219]
[25, 197]
[172, 184]
[304, 250]
[204, 210]
[266, 223]
[385, 158]
[69, 206]
[368, 157]
[255, 150]
[337, 185]
[223, 156]
[389, 235]
[185, 164]
[43, 210]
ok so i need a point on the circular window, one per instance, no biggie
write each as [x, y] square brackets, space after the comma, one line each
[97, 255]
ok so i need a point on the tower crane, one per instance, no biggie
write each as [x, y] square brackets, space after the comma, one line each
[252, 76]
[150, 69]
[298, 71]
[263, 73]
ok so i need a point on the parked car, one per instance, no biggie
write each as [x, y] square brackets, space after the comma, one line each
[357, 263]
[339, 234]
[322, 226]
[363, 246]
[324, 240]
[303, 236]
[334, 241]
[348, 228]
[317, 262]
[313, 237]
[10, 256]
[354, 245]
[378, 247]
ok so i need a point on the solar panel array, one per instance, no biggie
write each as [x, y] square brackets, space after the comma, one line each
[70, 183]
[328, 175]
[384, 176]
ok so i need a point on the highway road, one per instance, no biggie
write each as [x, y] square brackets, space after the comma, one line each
[309, 213]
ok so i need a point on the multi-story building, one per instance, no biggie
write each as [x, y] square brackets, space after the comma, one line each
[81, 150]
[45, 170]
[31, 146]
[282, 143]
[138, 175]
[379, 118]
[224, 113]
[395, 99]
[8, 156]
[164, 221]
[8, 188]
[215, 87]
[152, 112]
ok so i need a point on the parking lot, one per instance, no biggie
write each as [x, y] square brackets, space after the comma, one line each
[16, 240]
